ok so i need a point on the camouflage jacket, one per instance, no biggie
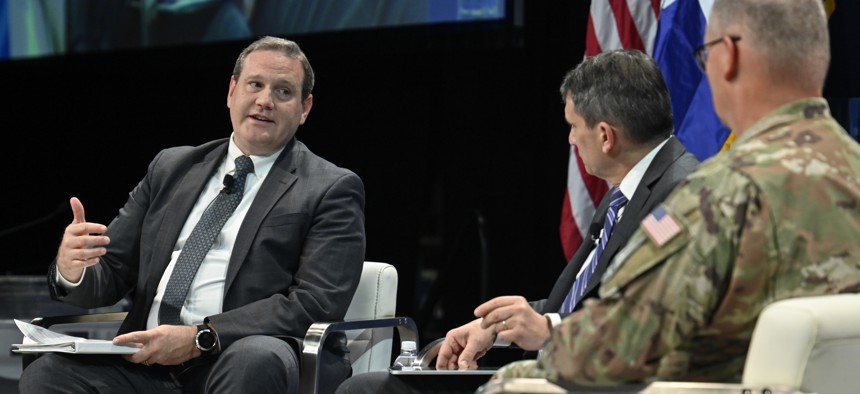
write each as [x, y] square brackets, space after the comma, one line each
[774, 217]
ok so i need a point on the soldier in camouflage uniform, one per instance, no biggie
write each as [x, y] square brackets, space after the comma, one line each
[775, 217]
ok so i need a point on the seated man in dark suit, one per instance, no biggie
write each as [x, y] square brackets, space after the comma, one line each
[227, 249]
[620, 117]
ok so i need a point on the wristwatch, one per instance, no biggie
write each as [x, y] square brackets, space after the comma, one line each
[206, 339]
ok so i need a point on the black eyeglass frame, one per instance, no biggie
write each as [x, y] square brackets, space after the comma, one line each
[701, 53]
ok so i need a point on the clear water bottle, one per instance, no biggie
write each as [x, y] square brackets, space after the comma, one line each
[406, 359]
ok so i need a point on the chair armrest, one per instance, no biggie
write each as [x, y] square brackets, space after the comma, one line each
[542, 386]
[71, 319]
[428, 353]
[318, 332]
[520, 385]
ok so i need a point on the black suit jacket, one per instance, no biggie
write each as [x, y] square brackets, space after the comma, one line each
[670, 166]
[297, 257]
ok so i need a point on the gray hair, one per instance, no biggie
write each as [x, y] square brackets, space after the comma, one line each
[791, 35]
[624, 88]
[286, 47]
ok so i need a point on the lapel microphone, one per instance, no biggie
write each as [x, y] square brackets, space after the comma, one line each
[228, 184]
[594, 230]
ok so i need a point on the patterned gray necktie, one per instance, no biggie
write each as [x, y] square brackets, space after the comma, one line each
[200, 241]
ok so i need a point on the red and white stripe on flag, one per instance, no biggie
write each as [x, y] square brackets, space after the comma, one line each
[612, 24]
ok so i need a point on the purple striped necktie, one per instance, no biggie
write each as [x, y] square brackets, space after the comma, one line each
[616, 201]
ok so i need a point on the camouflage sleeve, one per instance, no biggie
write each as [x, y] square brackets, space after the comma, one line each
[659, 296]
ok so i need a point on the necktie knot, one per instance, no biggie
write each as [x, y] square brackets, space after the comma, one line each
[244, 165]
[617, 199]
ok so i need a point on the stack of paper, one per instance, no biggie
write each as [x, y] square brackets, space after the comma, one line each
[41, 340]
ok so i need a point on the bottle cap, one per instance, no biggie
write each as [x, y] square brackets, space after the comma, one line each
[408, 345]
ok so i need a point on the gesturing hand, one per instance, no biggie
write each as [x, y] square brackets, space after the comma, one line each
[80, 248]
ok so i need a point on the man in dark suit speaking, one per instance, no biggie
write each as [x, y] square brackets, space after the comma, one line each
[620, 116]
[227, 248]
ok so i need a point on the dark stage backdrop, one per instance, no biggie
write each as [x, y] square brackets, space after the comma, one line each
[456, 129]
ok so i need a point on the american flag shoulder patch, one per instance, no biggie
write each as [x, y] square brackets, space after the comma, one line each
[660, 226]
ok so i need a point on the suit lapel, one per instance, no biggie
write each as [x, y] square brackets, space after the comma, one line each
[280, 178]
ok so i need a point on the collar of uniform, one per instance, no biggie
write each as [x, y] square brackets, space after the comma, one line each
[787, 113]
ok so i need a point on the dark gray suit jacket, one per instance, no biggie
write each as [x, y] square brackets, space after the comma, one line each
[297, 258]
[670, 166]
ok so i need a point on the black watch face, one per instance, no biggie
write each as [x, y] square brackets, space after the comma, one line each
[205, 340]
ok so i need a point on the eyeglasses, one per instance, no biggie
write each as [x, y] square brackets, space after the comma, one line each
[701, 53]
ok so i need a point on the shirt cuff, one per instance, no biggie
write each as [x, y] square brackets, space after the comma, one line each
[555, 318]
[65, 284]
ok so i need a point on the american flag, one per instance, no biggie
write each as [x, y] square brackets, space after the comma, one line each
[660, 226]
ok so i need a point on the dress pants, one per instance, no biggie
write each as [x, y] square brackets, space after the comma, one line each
[257, 364]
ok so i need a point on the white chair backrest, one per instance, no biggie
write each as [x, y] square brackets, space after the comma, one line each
[376, 297]
[810, 343]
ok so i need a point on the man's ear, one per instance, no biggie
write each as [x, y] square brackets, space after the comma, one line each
[230, 90]
[608, 136]
[306, 108]
[730, 60]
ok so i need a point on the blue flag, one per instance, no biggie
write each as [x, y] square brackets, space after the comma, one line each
[680, 30]
[4, 31]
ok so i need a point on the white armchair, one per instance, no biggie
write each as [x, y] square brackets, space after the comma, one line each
[799, 345]
[368, 325]
[811, 344]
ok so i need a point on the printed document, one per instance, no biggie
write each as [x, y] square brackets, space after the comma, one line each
[42, 340]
